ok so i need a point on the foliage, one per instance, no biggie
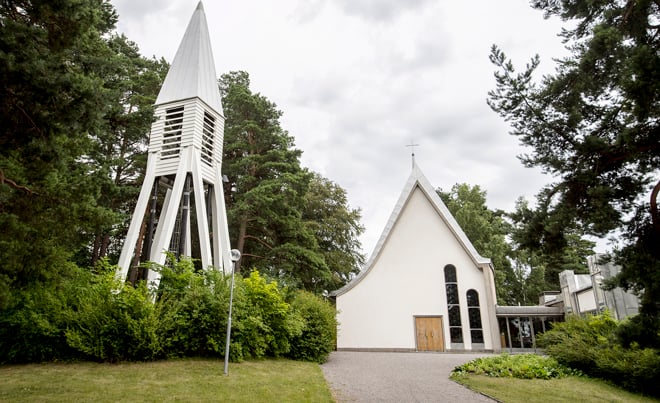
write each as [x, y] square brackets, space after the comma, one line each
[94, 316]
[486, 229]
[278, 212]
[118, 154]
[593, 125]
[578, 341]
[32, 326]
[544, 248]
[522, 366]
[640, 262]
[192, 310]
[589, 344]
[111, 321]
[264, 211]
[51, 97]
[528, 277]
[265, 324]
[87, 316]
[319, 331]
[336, 228]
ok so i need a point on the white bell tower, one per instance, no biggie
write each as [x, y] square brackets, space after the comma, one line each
[183, 165]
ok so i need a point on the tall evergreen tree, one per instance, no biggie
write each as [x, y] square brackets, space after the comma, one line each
[487, 231]
[266, 196]
[593, 125]
[119, 149]
[51, 98]
[289, 223]
[546, 246]
[336, 228]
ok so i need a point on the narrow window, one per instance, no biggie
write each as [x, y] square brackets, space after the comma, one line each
[208, 134]
[172, 133]
[454, 311]
[474, 313]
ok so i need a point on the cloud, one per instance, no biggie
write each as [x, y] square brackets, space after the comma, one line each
[380, 10]
[358, 80]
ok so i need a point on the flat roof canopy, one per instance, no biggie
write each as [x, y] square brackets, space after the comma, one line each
[529, 311]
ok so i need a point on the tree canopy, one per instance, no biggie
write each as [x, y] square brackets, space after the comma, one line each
[51, 97]
[287, 222]
[486, 229]
[593, 125]
[119, 145]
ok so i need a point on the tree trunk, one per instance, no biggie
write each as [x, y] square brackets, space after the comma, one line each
[95, 249]
[240, 244]
[654, 207]
[105, 242]
[135, 272]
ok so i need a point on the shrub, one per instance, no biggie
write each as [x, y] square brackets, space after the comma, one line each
[634, 368]
[590, 344]
[111, 321]
[264, 321]
[93, 316]
[578, 341]
[319, 331]
[192, 310]
[32, 327]
[523, 366]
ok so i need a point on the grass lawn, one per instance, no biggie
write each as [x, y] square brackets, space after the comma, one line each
[569, 389]
[165, 381]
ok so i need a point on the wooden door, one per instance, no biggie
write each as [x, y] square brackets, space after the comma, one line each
[429, 333]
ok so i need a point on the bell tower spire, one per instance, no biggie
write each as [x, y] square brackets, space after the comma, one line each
[183, 175]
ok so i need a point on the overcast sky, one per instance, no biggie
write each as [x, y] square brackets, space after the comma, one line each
[358, 80]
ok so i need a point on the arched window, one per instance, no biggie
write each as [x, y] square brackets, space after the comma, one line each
[474, 316]
[454, 311]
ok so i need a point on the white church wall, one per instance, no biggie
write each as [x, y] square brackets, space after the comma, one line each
[407, 279]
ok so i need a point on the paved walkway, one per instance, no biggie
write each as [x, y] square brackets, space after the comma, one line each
[397, 377]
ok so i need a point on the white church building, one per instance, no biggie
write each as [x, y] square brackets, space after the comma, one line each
[425, 287]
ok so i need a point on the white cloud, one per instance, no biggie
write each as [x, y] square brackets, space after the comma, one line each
[358, 80]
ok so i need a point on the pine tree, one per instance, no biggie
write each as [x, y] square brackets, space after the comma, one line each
[51, 98]
[487, 231]
[119, 151]
[593, 125]
[336, 228]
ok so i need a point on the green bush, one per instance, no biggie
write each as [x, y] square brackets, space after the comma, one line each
[192, 310]
[264, 321]
[590, 344]
[523, 366]
[111, 321]
[578, 341]
[32, 327]
[634, 368]
[91, 315]
[319, 331]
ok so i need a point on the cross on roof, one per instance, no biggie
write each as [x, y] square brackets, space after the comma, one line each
[412, 145]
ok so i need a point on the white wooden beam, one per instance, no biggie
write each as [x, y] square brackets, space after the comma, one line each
[130, 242]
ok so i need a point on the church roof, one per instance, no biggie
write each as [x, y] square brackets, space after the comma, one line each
[192, 73]
[416, 180]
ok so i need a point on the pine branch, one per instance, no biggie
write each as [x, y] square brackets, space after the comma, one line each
[258, 240]
[11, 183]
[654, 207]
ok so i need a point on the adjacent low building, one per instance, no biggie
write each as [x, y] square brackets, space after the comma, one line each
[583, 293]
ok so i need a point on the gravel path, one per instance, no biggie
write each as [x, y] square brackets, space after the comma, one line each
[397, 377]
